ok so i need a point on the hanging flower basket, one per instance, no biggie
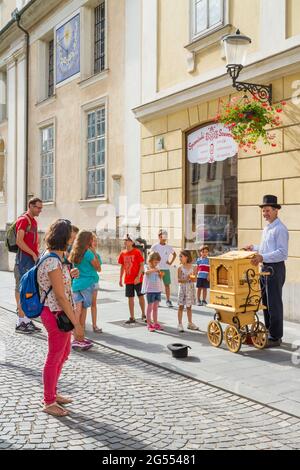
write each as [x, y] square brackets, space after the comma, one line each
[250, 120]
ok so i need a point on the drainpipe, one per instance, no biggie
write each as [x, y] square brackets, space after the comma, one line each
[16, 15]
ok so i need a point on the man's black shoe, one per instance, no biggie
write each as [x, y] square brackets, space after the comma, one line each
[36, 328]
[273, 343]
[24, 329]
[130, 321]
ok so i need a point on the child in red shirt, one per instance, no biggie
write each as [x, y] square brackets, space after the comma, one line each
[132, 265]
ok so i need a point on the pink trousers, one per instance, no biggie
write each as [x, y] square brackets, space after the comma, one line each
[59, 346]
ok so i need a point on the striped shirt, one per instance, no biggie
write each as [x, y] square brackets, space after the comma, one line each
[203, 268]
[151, 282]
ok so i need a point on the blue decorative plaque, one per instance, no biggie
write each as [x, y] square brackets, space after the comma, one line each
[68, 49]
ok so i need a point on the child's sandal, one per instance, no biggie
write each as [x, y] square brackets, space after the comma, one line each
[97, 330]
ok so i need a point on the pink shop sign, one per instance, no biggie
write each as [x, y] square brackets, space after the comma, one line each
[210, 144]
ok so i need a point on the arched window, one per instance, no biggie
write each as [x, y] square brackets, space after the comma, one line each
[211, 189]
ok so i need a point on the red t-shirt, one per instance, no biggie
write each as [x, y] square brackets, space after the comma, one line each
[31, 232]
[131, 260]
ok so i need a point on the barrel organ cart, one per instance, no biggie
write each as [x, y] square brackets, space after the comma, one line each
[236, 295]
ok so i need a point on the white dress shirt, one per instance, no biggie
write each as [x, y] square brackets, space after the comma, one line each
[274, 243]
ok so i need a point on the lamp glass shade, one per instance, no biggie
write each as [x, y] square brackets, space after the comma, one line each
[236, 49]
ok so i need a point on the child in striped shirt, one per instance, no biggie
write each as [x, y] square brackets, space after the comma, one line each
[152, 287]
[203, 275]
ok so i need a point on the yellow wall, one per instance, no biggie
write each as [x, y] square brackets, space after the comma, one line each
[174, 34]
[293, 15]
[275, 171]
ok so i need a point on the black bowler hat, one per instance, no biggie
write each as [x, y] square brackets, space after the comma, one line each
[271, 201]
[179, 350]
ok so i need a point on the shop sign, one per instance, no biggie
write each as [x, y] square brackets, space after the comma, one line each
[213, 143]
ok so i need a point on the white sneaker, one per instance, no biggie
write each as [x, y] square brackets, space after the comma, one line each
[180, 328]
[193, 327]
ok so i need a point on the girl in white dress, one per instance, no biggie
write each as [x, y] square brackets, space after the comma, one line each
[187, 276]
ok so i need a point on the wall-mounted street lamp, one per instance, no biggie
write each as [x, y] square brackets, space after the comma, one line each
[236, 49]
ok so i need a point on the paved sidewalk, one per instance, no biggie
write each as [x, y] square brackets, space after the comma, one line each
[268, 377]
[122, 403]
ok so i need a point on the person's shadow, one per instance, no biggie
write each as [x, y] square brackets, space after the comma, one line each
[103, 432]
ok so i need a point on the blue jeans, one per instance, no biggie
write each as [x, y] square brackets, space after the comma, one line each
[24, 262]
[85, 296]
[153, 297]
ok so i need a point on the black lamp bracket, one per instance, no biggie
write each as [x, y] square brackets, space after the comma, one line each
[262, 92]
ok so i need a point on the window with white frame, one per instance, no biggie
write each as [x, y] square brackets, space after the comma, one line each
[207, 15]
[96, 144]
[99, 38]
[47, 164]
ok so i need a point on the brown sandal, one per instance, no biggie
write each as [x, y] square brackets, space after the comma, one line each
[59, 413]
[63, 400]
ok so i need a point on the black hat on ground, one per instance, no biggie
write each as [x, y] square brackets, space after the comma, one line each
[270, 200]
[179, 350]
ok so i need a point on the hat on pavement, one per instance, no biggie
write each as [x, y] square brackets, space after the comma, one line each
[178, 350]
[270, 200]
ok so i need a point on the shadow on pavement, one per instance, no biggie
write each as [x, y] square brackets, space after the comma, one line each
[98, 430]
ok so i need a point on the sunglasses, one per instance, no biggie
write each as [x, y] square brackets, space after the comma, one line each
[66, 221]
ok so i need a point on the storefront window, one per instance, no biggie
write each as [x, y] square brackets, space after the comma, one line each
[211, 190]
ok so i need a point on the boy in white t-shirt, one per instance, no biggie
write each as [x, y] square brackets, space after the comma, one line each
[165, 251]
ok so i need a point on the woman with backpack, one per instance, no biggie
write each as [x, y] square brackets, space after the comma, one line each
[58, 314]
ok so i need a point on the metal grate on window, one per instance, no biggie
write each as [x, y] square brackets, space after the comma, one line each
[96, 153]
[99, 54]
[47, 164]
[51, 69]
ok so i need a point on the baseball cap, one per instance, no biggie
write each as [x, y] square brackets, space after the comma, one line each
[163, 234]
[129, 237]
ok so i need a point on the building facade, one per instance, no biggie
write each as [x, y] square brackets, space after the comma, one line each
[217, 202]
[82, 157]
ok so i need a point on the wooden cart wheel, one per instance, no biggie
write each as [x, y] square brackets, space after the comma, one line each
[233, 339]
[215, 333]
[259, 335]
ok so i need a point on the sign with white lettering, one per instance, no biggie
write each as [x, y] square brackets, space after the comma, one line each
[213, 143]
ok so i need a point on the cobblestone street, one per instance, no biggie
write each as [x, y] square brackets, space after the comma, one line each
[124, 403]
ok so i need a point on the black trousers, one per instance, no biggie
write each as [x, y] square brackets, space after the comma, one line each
[272, 298]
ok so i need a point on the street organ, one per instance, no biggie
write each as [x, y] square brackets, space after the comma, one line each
[236, 295]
